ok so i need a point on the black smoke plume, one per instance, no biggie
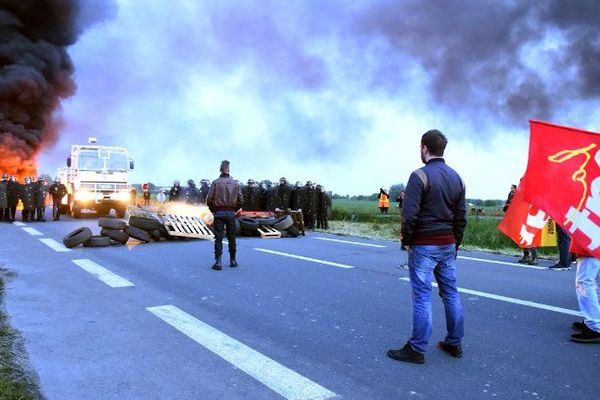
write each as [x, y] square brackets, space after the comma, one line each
[35, 74]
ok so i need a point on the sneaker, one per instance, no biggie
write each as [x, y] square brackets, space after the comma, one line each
[559, 267]
[533, 261]
[525, 260]
[233, 264]
[586, 336]
[580, 326]
[407, 354]
[454, 351]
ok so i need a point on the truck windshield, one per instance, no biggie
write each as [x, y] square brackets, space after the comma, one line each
[97, 160]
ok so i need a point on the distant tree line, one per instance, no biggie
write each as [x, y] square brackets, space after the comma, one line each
[393, 192]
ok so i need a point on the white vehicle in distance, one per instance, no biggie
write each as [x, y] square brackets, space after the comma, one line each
[97, 178]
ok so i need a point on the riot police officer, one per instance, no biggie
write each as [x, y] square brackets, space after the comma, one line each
[283, 195]
[40, 194]
[13, 194]
[190, 193]
[296, 196]
[176, 191]
[57, 190]
[203, 191]
[309, 206]
[28, 198]
[323, 203]
[4, 211]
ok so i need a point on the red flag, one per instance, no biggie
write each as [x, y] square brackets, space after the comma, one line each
[525, 224]
[563, 178]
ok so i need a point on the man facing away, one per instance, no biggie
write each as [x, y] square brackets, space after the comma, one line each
[433, 224]
[224, 200]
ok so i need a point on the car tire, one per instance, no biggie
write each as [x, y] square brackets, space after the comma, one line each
[293, 231]
[284, 222]
[77, 237]
[266, 221]
[111, 223]
[138, 233]
[146, 224]
[115, 234]
[156, 235]
[97, 241]
[248, 224]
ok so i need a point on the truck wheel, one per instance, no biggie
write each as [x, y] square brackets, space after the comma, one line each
[111, 223]
[138, 233]
[97, 241]
[77, 237]
[75, 211]
[115, 234]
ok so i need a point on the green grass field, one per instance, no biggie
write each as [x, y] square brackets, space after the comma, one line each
[363, 218]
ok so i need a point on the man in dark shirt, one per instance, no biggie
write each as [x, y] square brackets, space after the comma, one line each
[433, 224]
[224, 200]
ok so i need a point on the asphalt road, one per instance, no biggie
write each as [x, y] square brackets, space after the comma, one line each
[303, 318]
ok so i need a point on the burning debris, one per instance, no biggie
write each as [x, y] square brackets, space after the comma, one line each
[35, 74]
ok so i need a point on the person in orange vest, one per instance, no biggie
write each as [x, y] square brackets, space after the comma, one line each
[384, 201]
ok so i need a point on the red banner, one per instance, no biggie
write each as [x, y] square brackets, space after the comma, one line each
[525, 224]
[563, 178]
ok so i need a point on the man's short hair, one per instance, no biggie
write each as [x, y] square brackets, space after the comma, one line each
[224, 166]
[435, 141]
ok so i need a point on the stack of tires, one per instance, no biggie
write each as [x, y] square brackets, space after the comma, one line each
[285, 224]
[146, 229]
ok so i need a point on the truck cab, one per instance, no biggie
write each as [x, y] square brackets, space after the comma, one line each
[97, 178]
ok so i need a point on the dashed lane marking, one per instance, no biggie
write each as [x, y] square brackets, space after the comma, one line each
[350, 242]
[106, 276]
[18, 223]
[501, 262]
[54, 245]
[314, 260]
[33, 231]
[270, 373]
[513, 300]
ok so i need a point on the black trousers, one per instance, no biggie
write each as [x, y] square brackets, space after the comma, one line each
[13, 212]
[55, 209]
[224, 220]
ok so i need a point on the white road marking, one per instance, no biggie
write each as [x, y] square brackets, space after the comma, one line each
[512, 300]
[33, 231]
[106, 276]
[54, 245]
[270, 373]
[315, 260]
[501, 262]
[18, 223]
[350, 242]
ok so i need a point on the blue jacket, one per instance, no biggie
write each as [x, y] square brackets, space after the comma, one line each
[434, 203]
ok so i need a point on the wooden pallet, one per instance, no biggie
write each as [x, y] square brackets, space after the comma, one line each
[266, 232]
[186, 226]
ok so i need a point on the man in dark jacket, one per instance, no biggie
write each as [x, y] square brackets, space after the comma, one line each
[203, 191]
[13, 194]
[434, 220]
[224, 200]
[4, 210]
[57, 190]
[190, 193]
[28, 198]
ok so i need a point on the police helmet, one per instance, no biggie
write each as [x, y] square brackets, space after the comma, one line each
[176, 182]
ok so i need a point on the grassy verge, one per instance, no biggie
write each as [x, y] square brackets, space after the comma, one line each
[362, 219]
[15, 383]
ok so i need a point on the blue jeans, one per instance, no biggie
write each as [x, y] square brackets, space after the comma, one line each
[424, 262]
[587, 285]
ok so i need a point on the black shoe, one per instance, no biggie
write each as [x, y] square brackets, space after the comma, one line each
[525, 260]
[454, 351]
[217, 265]
[586, 336]
[580, 326]
[407, 354]
[559, 267]
[233, 263]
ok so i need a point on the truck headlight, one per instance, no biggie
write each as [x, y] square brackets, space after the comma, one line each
[85, 195]
[121, 196]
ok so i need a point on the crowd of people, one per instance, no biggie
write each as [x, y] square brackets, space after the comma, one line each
[311, 198]
[32, 193]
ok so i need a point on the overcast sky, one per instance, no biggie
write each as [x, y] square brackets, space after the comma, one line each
[337, 92]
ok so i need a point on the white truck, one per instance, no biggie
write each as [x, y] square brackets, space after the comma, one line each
[97, 178]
